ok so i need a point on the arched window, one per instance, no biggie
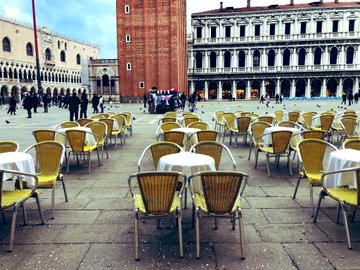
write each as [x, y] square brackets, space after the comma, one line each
[271, 58]
[78, 59]
[198, 59]
[6, 44]
[65, 45]
[227, 59]
[317, 56]
[105, 80]
[62, 56]
[47, 54]
[29, 49]
[256, 59]
[286, 57]
[241, 59]
[302, 54]
[333, 56]
[350, 55]
[58, 44]
[212, 60]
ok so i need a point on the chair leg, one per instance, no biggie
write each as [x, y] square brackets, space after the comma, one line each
[289, 164]
[24, 213]
[12, 231]
[215, 224]
[89, 161]
[98, 155]
[338, 214]
[197, 237]
[256, 157]
[346, 225]
[68, 164]
[181, 252]
[250, 150]
[107, 152]
[318, 206]
[64, 188]
[233, 220]
[296, 187]
[53, 202]
[311, 199]
[185, 191]
[241, 232]
[36, 195]
[136, 238]
[268, 165]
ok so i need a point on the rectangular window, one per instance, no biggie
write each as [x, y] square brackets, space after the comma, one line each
[319, 27]
[335, 26]
[128, 66]
[227, 31]
[272, 29]
[287, 28]
[213, 32]
[351, 25]
[242, 30]
[257, 30]
[303, 28]
[198, 32]
[141, 85]
[127, 9]
[127, 39]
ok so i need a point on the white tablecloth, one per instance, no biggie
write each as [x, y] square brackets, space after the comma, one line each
[17, 161]
[269, 130]
[90, 140]
[188, 132]
[188, 164]
[342, 159]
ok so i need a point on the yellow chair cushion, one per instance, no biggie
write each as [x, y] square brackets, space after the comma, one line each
[46, 180]
[139, 204]
[89, 148]
[267, 149]
[347, 195]
[314, 178]
[10, 197]
[199, 201]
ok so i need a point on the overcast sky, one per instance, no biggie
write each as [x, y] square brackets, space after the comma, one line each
[95, 21]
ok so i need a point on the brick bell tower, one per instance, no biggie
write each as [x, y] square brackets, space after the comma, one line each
[151, 44]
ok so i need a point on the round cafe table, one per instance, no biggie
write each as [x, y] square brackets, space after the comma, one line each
[188, 132]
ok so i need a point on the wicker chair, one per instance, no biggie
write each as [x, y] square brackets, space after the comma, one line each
[199, 125]
[307, 117]
[205, 135]
[121, 122]
[326, 121]
[229, 125]
[13, 199]
[188, 120]
[68, 124]
[158, 199]
[278, 148]
[267, 118]
[241, 128]
[129, 119]
[42, 135]
[177, 137]
[313, 154]
[158, 150]
[221, 196]
[348, 198]
[257, 130]
[219, 120]
[8, 146]
[313, 134]
[214, 150]
[166, 127]
[77, 141]
[170, 114]
[48, 156]
[349, 127]
[279, 114]
[110, 132]
[293, 116]
[97, 116]
[351, 144]
[83, 121]
[99, 128]
[166, 119]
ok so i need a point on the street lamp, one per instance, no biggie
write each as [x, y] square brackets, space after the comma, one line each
[40, 91]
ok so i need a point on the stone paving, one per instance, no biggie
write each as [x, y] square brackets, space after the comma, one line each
[94, 230]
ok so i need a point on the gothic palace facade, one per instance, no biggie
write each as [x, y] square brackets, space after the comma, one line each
[63, 61]
[296, 50]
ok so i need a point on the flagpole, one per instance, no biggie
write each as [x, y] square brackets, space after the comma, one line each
[40, 90]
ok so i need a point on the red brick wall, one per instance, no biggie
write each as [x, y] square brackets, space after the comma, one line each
[157, 51]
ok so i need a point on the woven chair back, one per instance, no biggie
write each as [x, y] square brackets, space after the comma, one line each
[109, 123]
[267, 119]
[170, 114]
[157, 190]
[97, 116]
[199, 124]
[257, 130]
[287, 124]
[189, 114]
[349, 125]
[174, 137]
[207, 135]
[352, 144]
[8, 146]
[210, 148]
[127, 117]
[120, 119]
[279, 115]
[169, 126]
[229, 120]
[42, 135]
[293, 116]
[308, 117]
[76, 139]
[280, 141]
[189, 120]
[168, 119]
[105, 115]
[69, 124]
[221, 190]
[243, 123]
[84, 121]
[314, 134]
[326, 121]
[218, 116]
[49, 156]
[99, 129]
[161, 149]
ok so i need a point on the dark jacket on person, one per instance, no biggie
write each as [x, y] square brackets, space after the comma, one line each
[27, 103]
[74, 102]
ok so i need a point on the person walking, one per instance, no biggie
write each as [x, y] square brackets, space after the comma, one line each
[343, 98]
[35, 102]
[83, 106]
[262, 99]
[101, 103]
[27, 104]
[46, 102]
[277, 99]
[267, 100]
[95, 103]
[356, 97]
[12, 103]
[350, 98]
[74, 102]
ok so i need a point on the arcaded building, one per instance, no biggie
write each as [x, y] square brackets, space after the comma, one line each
[151, 40]
[296, 50]
[63, 60]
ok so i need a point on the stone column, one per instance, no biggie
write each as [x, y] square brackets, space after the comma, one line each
[262, 88]
[219, 92]
[206, 90]
[192, 86]
[339, 89]
[293, 89]
[207, 62]
[323, 88]
[248, 90]
[356, 86]
[308, 89]
[233, 92]
[278, 87]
